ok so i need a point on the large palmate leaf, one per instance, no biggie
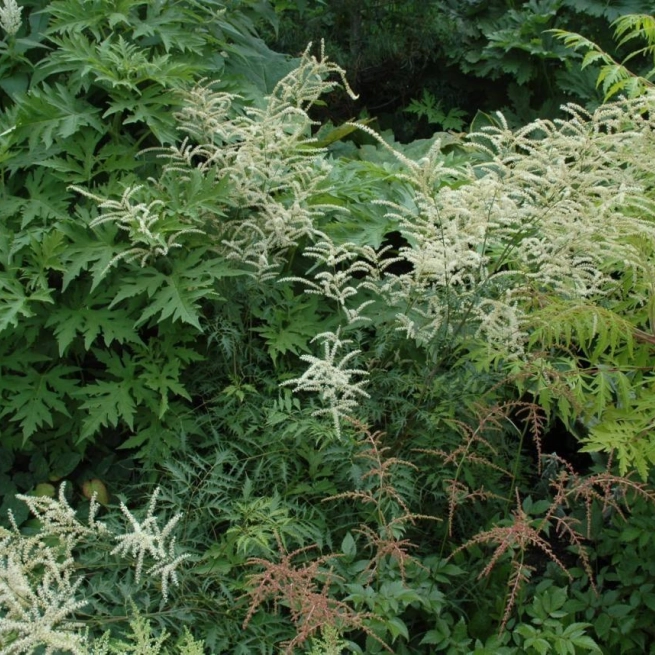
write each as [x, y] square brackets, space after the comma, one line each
[108, 402]
[53, 112]
[290, 325]
[178, 294]
[92, 319]
[86, 157]
[34, 397]
[39, 197]
[88, 251]
[17, 302]
[145, 381]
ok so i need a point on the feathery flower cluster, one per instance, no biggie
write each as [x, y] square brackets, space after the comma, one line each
[557, 207]
[269, 159]
[39, 583]
[338, 282]
[10, 19]
[331, 379]
[147, 538]
[264, 159]
[152, 232]
[57, 517]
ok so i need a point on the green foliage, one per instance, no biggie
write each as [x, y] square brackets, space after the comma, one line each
[338, 361]
[94, 343]
[142, 641]
[613, 77]
[471, 55]
[547, 632]
[431, 108]
[329, 644]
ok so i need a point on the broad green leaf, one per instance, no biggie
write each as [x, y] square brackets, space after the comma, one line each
[88, 251]
[176, 295]
[47, 199]
[48, 113]
[16, 303]
[163, 377]
[397, 628]
[33, 398]
[91, 321]
[107, 402]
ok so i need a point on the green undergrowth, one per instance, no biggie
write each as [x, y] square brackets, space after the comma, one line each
[382, 397]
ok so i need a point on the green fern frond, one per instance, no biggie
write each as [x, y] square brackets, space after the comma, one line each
[625, 432]
[635, 26]
[589, 327]
[614, 77]
[142, 640]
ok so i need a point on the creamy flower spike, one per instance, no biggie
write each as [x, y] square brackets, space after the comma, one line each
[10, 19]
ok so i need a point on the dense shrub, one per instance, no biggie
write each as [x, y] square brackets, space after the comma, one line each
[336, 370]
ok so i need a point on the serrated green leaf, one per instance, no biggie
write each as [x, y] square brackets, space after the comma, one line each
[48, 113]
[585, 642]
[397, 628]
[32, 398]
[135, 441]
[91, 322]
[78, 161]
[107, 403]
[432, 638]
[592, 57]
[176, 295]
[163, 377]
[348, 546]
[176, 299]
[88, 251]
[16, 303]
[47, 198]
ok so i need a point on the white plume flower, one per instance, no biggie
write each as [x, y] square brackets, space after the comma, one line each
[148, 539]
[10, 19]
[330, 377]
[40, 585]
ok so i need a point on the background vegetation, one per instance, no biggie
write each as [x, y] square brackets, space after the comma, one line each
[272, 381]
[454, 58]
